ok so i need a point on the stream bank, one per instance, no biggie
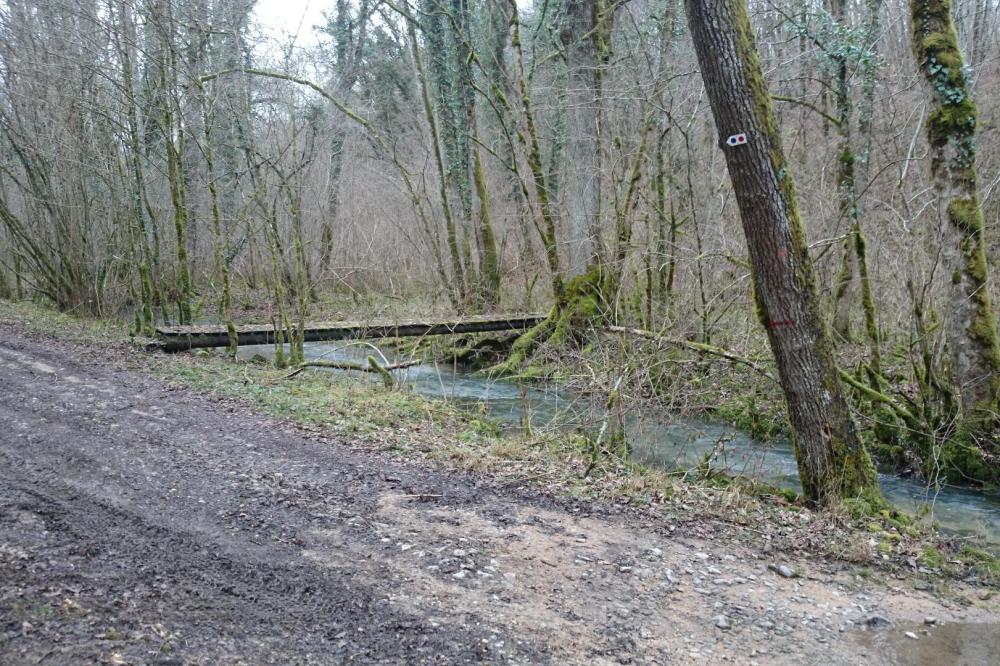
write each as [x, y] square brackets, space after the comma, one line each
[462, 432]
[661, 439]
[150, 520]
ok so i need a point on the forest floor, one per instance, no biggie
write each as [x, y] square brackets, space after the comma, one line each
[142, 522]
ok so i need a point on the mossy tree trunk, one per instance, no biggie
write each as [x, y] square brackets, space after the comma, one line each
[667, 227]
[848, 279]
[124, 40]
[580, 302]
[18, 285]
[458, 283]
[220, 240]
[543, 187]
[496, 70]
[870, 79]
[458, 136]
[951, 128]
[833, 464]
[282, 322]
[5, 291]
[289, 189]
[293, 189]
[488, 292]
[584, 37]
[173, 139]
[853, 284]
[489, 255]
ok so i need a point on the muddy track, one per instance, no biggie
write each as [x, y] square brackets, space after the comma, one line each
[153, 513]
[140, 524]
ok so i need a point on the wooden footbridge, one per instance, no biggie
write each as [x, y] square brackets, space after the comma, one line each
[181, 338]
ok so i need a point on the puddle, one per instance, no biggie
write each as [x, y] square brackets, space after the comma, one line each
[953, 644]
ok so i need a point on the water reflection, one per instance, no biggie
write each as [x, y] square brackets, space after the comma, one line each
[953, 644]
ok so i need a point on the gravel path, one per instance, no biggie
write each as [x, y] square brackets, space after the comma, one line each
[141, 524]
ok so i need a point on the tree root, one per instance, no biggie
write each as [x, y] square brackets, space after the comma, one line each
[567, 323]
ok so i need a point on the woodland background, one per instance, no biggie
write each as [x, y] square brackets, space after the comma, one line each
[460, 156]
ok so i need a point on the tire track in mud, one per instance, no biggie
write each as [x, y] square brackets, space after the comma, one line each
[160, 536]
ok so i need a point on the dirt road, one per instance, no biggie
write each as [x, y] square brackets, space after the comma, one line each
[139, 524]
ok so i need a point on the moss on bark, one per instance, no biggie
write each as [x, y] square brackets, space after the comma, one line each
[833, 464]
[951, 130]
[568, 324]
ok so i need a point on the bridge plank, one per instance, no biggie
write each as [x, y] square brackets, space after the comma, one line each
[180, 338]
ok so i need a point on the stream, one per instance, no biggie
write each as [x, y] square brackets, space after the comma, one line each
[662, 439]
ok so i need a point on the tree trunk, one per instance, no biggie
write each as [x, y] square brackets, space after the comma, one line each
[458, 274]
[853, 284]
[495, 67]
[175, 178]
[337, 142]
[489, 292]
[543, 191]
[220, 241]
[848, 281]
[583, 39]
[488, 295]
[350, 38]
[125, 38]
[951, 128]
[463, 101]
[833, 464]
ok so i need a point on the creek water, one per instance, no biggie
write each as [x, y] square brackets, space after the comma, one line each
[663, 439]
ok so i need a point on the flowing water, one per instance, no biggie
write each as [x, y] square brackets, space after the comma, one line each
[665, 440]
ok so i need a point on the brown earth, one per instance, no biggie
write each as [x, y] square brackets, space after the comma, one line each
[142, 524]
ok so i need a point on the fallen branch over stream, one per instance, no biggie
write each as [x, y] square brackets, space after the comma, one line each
[372, 366]
[699, 347]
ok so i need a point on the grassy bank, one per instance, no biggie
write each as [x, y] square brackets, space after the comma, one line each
[363, 414]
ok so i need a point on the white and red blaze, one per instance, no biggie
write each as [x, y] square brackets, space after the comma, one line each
[737, 139]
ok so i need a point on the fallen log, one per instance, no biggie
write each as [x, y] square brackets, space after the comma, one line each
[372, 366]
